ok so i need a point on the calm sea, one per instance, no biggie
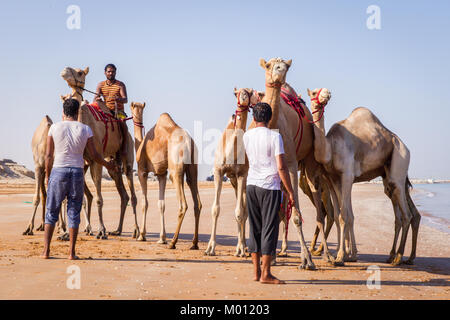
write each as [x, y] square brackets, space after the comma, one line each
[433, 202]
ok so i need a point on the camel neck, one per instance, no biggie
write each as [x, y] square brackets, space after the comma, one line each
[272, 97]
[77, 95]
[322, 147]
[138, 134]
[241, 120]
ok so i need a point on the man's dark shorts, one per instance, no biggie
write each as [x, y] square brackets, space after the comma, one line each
[263, 207]
[65, 182]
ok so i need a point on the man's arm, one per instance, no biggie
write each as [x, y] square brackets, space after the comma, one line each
[97, 157]
[123, 94]
[49, 157]
[285, 178]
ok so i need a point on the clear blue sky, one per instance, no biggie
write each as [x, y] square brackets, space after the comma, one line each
[185, 57]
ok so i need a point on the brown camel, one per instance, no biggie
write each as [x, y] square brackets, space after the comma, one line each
[357, 149]
[107, 140]
[287, 121]
[166, 147]
[231, 160]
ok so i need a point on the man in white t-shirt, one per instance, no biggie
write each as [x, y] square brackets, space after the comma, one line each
[64, 159]
[267, 168]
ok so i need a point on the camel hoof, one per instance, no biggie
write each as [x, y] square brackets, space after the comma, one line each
[161, 241]
[102, 235]
[40, 228]
[28, 232]
[339, 263]
[282, 254]
[409, 262]
[172, 246]
[64, 237]
[141, 238]
[351, 259]
[135, 234]
[316, 253]
[194, 247]
[307, 267]
[210, 253]
[115, 233]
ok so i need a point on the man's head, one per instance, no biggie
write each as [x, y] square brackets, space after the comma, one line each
[71, 107]
[262, 112]
[110, 71]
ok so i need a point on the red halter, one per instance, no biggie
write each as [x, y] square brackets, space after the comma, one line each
[240, 109]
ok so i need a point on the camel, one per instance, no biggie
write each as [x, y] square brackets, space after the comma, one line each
[39, 148]
[357, 149]
[107, 140]
[287, 121]
[166, 147]
[230, 159]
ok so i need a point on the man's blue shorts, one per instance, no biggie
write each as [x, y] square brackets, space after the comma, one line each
[65, 182]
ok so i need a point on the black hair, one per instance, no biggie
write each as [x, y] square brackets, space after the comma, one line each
[110, 65]
[71, 107]
[262, 112]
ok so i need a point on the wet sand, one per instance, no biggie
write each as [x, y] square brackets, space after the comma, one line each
[122, 268]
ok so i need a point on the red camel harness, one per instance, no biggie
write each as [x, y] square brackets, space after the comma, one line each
[298, 104]
[106, 118]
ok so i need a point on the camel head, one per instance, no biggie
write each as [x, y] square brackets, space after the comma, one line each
[247, 97]
[276, 69]
[74, 77]
[319, 97]
[137, 110]
[65, 97]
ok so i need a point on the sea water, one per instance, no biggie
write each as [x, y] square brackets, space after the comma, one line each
[433, 203]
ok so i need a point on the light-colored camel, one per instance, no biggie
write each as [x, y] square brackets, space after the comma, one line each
[231, 160]
[287, 121]
[39, 149]
[357, 149]
[166, 146]
[107, 141]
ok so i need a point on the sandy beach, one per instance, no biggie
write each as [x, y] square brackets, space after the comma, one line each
[122, 268]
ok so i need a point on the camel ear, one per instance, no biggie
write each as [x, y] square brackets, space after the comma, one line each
[132, 105]
[263, 63]
[235, 91]
[86, 71]
[62, 98]
[261, 94]
[309, 92]
[289, 62]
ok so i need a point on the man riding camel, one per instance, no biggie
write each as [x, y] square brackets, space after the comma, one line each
[115, 94]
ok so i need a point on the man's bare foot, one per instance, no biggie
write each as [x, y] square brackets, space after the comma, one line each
[257, 276]
[74, 257]
[45, 254]
[271, 280]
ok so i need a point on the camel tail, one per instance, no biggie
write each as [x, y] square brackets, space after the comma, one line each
[411, 205]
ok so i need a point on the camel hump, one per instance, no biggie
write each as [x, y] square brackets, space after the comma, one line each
[166, 121]
[364, 113]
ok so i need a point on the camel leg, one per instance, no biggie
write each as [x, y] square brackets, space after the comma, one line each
[397, 228]
[143, 176]
[240, 216]
[320, 219]
[415, 222]
[215, 210]
[328, 207]
[87, 207]
[351, 251]
[39, 177]
[306, 260]
[191, 179]
[96, 174]
[62, 230]
[283, 223]
[399, 193]
[343, 191]
[162, 180]
[124, 198]
[182, 204]
[128, 165]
